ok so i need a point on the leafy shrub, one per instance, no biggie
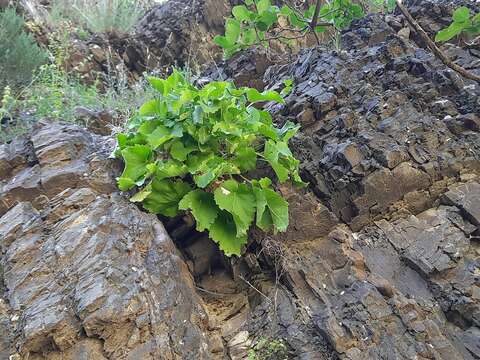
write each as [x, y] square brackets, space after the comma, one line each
[253, 23]
[19, 54]
[462, 21]
[193, 149]
[99, 15]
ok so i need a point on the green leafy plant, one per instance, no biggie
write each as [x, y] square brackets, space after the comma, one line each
[258, 22]
[195, 149]
[19, 54]
[462, 21]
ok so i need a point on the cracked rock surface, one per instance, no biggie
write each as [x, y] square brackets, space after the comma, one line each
[381, 259]
[85, 273]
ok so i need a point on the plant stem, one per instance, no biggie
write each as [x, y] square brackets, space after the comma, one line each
[314, 22]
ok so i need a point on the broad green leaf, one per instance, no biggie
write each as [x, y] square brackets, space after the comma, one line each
[162, 134]
[170, 168]
[264, 218]
[222, 41]
[204, 179]
[450, 32]
[125, 184]
[197, 161]
[461, 14]
[212, 171]
[254, 96]
[296, 21]
[136, 158]
[197, 115]
[357, 11]
[152, 107]
[232, 30]
[223, 232]
[165, 196]
[288, 130]
[265, 182]
[268, 18]
[238, 199]
[157, 84]
[286, 10]
[263, 6]
[240, 12]
[249, 36]
[203, 207]
[310, 12]
[288, 87]
[179, 150]
[278, 208]
[141, 195]
[147, 127]
[280, 170]
[271, 153]
[246, 159]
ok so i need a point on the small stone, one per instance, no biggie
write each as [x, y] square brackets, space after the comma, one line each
[404, 33]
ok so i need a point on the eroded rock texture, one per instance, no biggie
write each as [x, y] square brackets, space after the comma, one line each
[177, 32]
[86, 274]
[390, 145]
[381, 259]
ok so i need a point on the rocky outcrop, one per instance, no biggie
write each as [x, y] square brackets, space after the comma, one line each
[389, 143]
[390, 146]
[381, 259]
[86, 274]
[175, 33]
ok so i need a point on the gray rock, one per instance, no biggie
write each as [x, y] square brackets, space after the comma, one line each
[467, 198]
[86, 274]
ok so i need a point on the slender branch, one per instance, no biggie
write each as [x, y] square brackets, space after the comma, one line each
[254, 288]
[314, 22]
[436, 50]
[283, 37]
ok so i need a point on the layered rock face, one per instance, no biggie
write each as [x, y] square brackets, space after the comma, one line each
[86, 274]
[390, 144]
[177, 32]
[381, 259]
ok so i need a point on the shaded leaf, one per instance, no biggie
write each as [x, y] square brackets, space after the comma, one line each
[224, 233]
[203, 207]
[239, 200]
[165, 196]
[136, 158]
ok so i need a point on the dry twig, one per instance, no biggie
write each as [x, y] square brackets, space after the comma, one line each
[436, 50]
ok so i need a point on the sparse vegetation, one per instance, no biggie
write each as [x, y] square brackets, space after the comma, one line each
[269, 349]
[19, 53]
[56, 95]
[99, 15]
